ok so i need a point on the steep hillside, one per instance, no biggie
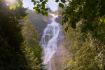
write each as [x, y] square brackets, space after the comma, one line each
[38, 20]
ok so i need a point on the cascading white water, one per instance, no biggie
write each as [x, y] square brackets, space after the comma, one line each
[50, 40]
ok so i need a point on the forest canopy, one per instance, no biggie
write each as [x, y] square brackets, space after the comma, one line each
[14, 47]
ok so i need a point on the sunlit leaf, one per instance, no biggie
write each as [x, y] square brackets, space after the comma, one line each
[32, 0]
[61, 5]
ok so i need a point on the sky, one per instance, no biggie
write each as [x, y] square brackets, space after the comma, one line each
[51, 4]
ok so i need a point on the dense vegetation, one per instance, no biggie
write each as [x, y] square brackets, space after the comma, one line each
[84, 24]
[18, 50]
[30, 47]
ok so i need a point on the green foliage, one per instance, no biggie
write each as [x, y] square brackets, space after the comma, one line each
[87, 52]
[19, 48]
[9, 24]
[85, 27]
[11, 58]
[61, 5]
[40, 6]
[30, 47]
[84, 9]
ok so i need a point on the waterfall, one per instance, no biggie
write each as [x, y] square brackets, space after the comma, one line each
[50, 40]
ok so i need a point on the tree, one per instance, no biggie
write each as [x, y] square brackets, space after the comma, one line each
[40, 6]
[11, 57]
[30, 46]
[19, 49]
[85, 26]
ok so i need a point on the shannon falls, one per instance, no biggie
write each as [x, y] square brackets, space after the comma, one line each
[51, 42]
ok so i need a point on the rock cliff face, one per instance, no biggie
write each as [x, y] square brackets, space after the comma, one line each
[39, 21]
